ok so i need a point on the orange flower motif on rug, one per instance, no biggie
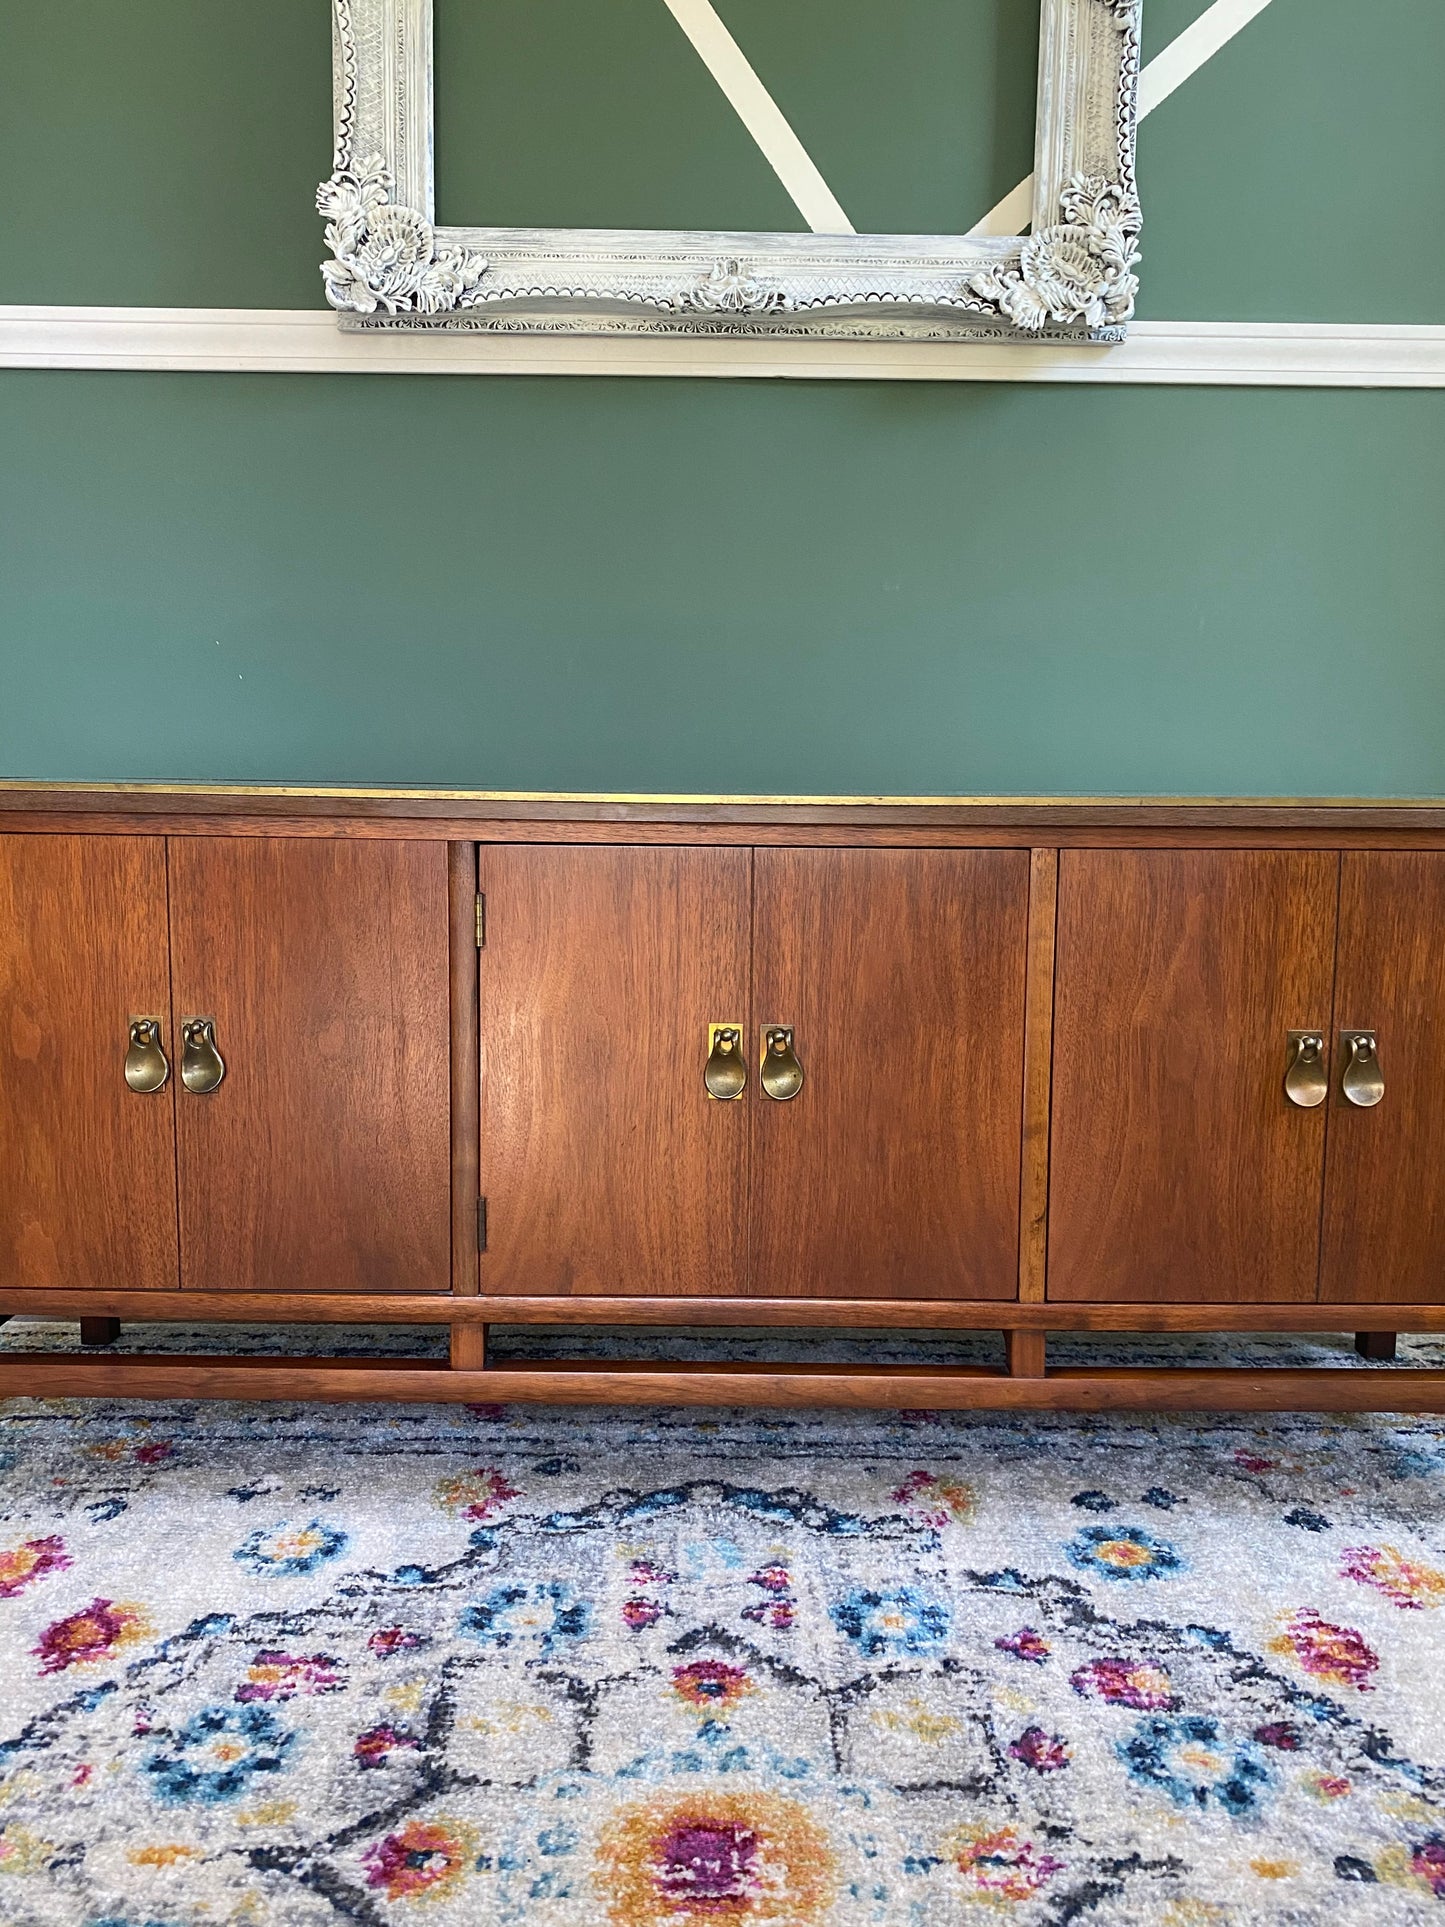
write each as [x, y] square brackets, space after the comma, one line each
[706, 1858]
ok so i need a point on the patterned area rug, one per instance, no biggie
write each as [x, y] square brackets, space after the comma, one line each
[296, 1666]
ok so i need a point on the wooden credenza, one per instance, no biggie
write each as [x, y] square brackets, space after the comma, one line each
[282, 1057]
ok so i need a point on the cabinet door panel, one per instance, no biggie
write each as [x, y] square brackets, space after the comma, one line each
[323, 1160]
[894, 1172]
[606, 1167]
[1179, 1170]
[1385, 1184]
[88, 1192]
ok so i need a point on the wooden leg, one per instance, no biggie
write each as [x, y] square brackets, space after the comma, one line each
[99, 1331]
[1375, 1344]
[469, 1348]
[1025, 1354]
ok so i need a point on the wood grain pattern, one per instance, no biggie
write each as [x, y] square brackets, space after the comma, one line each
[88, 1191]
[918, 1314]
[323, 1161]
[606, 1166]
[1179, 1170]
[466, 1066]
[1038, 1075]
[895, 1170]
[468, 1348]
[1389, 828]
[61, 1375]
[1384, 1224]
[1027, 1353]
[338, 807]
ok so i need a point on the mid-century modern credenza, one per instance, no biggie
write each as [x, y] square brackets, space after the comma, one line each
[274, 1056]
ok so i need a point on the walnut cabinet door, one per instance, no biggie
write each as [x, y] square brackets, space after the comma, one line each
[1180, 1168]
[894, 1170]
[87, 1162]
[607, 1167]
[890, 1170]
[313, 1108]
[1384, 1222]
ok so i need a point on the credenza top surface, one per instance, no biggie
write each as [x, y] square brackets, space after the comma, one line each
[193, 808]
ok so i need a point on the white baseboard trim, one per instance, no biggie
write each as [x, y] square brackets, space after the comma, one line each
[1286, 354]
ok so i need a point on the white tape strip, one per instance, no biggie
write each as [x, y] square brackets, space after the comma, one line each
[1184, 56]
[758, 112]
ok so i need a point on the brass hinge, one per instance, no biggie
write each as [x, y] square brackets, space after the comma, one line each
[481, 921]
[481, 1224]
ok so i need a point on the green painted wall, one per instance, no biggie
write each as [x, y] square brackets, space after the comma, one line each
[731, 585]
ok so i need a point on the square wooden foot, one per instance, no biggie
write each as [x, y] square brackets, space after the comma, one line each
[1026, 1354]
[1379, 1345]
[99, 1331]
[469, 1348]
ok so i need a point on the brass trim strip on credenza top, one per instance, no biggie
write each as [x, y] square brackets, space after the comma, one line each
[460, 808]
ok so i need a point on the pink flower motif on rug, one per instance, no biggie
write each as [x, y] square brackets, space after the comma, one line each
[477, 1495]
[1335, 1653]
[935, 1500]
[281, 1676]
[1406, 1583]
[777, 1609]
[423, 1857]
[1044, 1752]
[708, 1683]
[22, 1565]
[93, 1635]
[1001, 1865]
[1427, 1863]
[388, 1640]
[376, 1746]
[1125, 1682]
[1025, 1644]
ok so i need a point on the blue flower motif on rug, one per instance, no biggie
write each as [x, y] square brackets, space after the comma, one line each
[290, 1552]
[1193, 1763]
[1123, 1552]
[549, 1613]
[216, 1755]
[899, 1620]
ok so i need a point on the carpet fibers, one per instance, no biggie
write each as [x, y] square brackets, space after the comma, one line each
[313, 1665]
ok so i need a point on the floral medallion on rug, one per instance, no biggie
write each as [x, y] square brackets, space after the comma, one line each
[299, 1666]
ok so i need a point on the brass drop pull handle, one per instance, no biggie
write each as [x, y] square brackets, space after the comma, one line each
[725, 1075]
[146, 1065]
[782, 1074]
[1307, 1081]
[1362, 1083]
[202, 1065]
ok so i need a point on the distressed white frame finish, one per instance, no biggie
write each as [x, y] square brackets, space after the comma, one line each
[1072, 278]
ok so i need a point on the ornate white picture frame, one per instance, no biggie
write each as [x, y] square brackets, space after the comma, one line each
[1071, 278]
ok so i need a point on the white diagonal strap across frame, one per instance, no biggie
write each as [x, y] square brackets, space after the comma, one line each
[1184, 55]
[760, 114]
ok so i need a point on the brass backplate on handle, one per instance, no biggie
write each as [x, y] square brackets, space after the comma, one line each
[146, 1064]
[1362, 1083]
[202, 1065]
[725, 1075]
[1307, 1080]
[781, 1074]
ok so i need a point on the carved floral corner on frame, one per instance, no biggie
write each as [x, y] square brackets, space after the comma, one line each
[1071, 278]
